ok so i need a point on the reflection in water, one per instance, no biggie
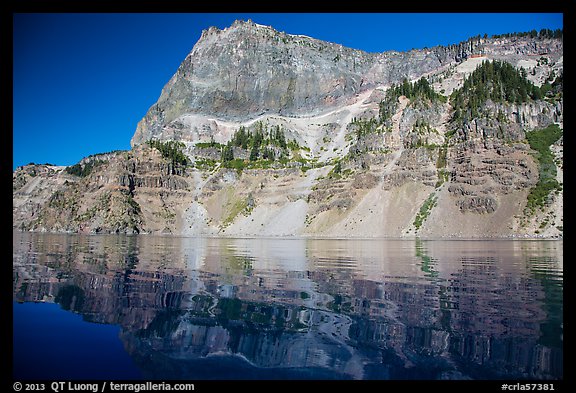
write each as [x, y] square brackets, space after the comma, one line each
[295, 308]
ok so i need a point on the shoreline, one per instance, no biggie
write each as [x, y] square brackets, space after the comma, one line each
[306, 237]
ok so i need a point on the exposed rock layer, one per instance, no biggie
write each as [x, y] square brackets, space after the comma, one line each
[419, 173]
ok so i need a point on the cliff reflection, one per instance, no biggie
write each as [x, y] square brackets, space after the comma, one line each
[310, 308]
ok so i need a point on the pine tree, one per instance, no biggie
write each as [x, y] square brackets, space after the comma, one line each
[227, 153]
[337, 168]
[254, 153]
[496, 80]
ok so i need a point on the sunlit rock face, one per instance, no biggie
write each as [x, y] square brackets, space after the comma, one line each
[356, 160]
[248, 70]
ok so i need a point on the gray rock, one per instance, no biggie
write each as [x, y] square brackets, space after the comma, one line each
[247, 70]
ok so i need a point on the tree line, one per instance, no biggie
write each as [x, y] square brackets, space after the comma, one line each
[171, 150]
[496, 80]
[419, 90]
[264, 143]
[543, 33]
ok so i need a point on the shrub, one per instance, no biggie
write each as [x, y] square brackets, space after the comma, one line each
[425, 210]
[172, 150]
[83, 170]
[540, 141]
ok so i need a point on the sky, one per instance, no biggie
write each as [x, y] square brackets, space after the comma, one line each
[81, 82]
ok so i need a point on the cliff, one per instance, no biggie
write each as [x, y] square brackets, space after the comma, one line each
[284, 135]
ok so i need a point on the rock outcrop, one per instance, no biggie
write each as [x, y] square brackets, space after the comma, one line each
[249, 70]
[340, 155]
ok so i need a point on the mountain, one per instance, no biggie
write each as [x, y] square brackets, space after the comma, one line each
[263, 133]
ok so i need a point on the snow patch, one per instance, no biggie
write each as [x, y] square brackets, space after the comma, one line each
[301, 36]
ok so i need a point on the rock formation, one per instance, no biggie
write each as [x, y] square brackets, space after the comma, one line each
[339, 154]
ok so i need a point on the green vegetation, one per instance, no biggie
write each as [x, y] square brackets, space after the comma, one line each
[338, 168]
[496, 80]
[442, 157]
[209, 145]
[544, 33]
[443, 174]
[132, 206]
[237, 206]
[340, 304]
[540, 140]
[427, 262]
[266, 148]
[230, 309]
[420, 89]
[552, 88]
[172, 150]
[365, 127]
[425, 210]
[205, 164]
[106, 153]
[421, 128]
[261, 137]
[102, 205]
[57, 200]
[235, 209]
[46, 163]
[263, 143]
[235, 163]
[294, 146]
[227, 154]
[443, 177]
[83, 170]
[336, 172]
[305, 164]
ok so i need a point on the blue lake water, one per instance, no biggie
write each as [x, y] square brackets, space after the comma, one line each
[131, 307]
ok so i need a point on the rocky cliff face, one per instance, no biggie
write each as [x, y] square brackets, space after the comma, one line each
[355, 160]
[103, 201]
[248, 70]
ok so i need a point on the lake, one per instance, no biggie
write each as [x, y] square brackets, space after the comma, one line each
[147, 307]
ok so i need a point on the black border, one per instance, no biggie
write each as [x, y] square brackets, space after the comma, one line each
[567, 7]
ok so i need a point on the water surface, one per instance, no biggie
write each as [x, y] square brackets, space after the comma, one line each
[128, 307]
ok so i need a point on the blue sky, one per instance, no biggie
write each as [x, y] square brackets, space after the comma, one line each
[81, 82]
